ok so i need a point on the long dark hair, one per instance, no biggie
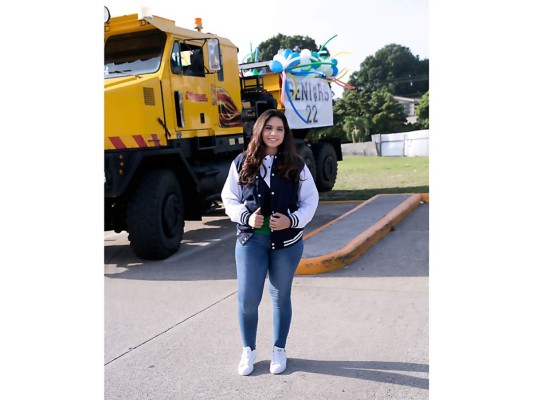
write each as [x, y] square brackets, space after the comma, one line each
[288, 166]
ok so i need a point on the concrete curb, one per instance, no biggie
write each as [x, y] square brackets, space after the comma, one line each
[351, 251]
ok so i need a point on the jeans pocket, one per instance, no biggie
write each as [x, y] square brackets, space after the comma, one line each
[243, 237]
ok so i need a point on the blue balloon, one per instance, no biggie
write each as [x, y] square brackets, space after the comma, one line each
[293, 55]
[294, 63]
[276, 66]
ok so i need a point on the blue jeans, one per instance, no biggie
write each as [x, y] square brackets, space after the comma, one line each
[254, 259]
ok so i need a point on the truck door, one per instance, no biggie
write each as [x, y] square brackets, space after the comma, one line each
[193, 90]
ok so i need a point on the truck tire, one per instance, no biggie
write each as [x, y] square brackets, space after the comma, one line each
[307, 154]
[326, 166]
[155, 215]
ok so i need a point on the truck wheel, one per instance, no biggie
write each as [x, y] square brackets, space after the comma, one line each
[326, 166]
[155, 215]
[306, 153]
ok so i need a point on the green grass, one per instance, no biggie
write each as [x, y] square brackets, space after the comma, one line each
[360, 178]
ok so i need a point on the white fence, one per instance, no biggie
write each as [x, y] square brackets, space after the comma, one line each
[406, 144]
[359, 149]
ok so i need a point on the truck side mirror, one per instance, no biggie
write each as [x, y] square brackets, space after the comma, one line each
[213, 51]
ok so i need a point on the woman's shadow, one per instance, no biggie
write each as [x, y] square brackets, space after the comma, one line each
[378, 371]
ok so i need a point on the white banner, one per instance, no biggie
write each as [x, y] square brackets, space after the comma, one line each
[312, 105]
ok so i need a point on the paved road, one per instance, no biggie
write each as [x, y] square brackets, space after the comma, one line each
[358, 333]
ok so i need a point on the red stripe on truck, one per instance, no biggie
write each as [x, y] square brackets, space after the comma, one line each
[117, 142]
[140, 141]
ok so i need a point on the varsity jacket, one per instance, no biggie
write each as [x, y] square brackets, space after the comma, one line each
[296, 200]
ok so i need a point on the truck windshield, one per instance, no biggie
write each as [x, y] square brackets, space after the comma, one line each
[133, 53]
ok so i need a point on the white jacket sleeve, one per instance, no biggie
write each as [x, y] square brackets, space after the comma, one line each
[231, 197]
[307, 200]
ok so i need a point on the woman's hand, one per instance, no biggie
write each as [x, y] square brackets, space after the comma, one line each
[256, 220]
[279, 222]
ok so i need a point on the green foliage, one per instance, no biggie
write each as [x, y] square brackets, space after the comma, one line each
[395, 68]
[334, 131]
[365, 113]
[270, 47]
[422, 112]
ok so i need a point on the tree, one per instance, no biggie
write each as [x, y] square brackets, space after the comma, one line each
[422, 112]
[356, 128]
[270, 47]
[387, 114]
[395, 68]
[364, 113]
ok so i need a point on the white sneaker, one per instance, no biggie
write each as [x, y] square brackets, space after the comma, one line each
[246, 366]
[279, 361]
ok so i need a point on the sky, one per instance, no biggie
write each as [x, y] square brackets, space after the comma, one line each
[362, 26]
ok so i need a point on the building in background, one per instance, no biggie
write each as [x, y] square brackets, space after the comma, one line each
[409, 105]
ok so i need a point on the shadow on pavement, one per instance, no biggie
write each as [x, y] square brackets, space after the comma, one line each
[204, 254]
[378, 371]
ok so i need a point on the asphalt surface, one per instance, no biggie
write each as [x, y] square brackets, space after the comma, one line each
[359, 332]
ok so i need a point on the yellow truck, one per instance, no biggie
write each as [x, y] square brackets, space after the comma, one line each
[177, 109]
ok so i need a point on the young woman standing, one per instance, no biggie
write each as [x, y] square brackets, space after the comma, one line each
[271, 195]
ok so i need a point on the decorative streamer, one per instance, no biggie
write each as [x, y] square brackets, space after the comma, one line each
[252, 56]
[293, 106]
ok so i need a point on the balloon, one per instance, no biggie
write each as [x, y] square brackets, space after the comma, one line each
[276, 66]
[305, 63]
